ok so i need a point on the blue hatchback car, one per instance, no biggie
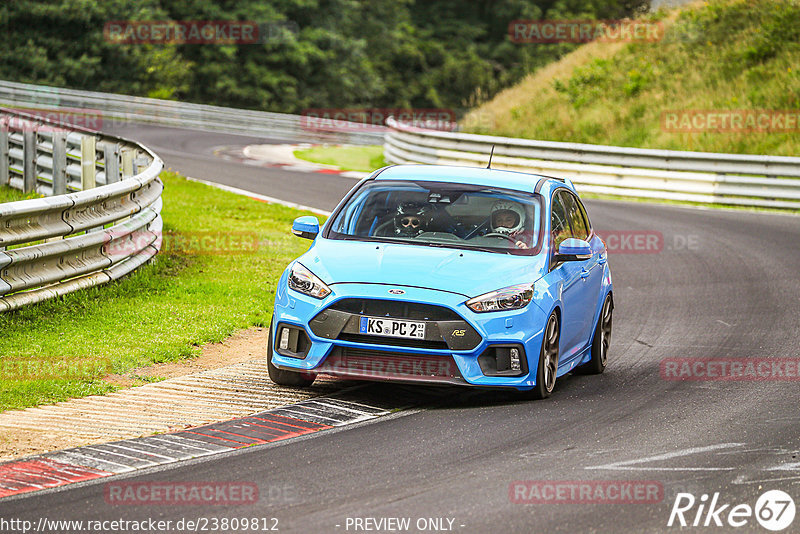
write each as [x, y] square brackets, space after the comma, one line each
[442, 274]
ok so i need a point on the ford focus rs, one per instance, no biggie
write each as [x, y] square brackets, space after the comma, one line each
[440, 274]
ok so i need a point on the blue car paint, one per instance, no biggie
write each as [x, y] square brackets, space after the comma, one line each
[306, 224]
[449, 277]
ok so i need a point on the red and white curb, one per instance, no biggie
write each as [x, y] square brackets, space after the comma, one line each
[241, 155]
[54, 469]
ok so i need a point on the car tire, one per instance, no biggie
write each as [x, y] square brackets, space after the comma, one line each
[283, 377]
[601, 341]
[548, 360]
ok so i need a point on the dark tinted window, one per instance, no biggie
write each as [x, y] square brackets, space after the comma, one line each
[559, 225]
[585, 216]
[575, 215]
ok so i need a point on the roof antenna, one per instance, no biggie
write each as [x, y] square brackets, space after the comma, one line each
[489, 166]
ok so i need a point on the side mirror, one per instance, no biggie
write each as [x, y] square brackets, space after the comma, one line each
[573, 250]
[306, 227]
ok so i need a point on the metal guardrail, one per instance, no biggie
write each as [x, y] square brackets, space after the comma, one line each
[122, 108]
[734, 179]
[109, 224]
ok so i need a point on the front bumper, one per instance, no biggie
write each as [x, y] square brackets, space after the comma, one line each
[454, 350]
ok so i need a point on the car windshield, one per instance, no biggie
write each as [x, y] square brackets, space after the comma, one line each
[441, 214]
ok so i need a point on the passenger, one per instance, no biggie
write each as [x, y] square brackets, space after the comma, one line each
[412, 219]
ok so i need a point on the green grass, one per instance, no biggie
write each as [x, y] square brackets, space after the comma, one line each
[8, 194]
[347, 158]
[162, 312]
[715, 55]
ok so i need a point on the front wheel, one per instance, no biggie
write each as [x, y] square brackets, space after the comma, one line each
[601, 341]
[548, 360]
[283, 377]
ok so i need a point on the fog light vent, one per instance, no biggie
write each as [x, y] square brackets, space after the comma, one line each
[293, 341]
[284, 338]
[503, 360]
[514, 357]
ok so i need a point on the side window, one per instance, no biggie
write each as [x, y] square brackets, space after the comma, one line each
[559, 225]
[585, 217]
[575, 215]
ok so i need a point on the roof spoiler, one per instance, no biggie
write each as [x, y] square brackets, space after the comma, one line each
[565, 181]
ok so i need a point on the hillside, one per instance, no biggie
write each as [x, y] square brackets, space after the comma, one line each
[725, 58]
[286, 55]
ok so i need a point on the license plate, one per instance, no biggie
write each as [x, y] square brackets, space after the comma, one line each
[381, 326]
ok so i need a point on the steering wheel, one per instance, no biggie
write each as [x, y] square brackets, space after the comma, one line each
[474, 232]
[383, 227]
[498, 234]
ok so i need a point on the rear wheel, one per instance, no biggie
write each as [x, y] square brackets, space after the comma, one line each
[283, 377]
[548, 360]
[601, 341]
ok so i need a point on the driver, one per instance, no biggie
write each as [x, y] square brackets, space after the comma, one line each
[412, 219]
[508, 218]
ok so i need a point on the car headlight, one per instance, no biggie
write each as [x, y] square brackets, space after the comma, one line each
[508, 298]
[306, 282]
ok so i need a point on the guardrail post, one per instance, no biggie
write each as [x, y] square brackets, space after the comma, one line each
[59, 163]
[4, 151]
[28, 158]
[126, 157]
[139, 161]
[88, 162]
[111, 161]
[127, 163]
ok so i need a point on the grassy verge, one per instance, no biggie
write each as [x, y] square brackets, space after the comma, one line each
[8, 194]
[714, 56]
[347, 158]
[192, 294]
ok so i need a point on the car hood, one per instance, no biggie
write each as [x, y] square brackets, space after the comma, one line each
[466, 272]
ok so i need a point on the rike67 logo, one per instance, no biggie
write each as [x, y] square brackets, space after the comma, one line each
[774, 510]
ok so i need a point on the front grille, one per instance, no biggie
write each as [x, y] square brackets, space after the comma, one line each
[393, 341]
[444, 330]
[396, 309]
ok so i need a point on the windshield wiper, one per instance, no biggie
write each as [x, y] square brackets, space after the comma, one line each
[462, 247]
[368, 239]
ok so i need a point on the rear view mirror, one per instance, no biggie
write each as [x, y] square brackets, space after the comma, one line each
[573, 250]
[306, 227]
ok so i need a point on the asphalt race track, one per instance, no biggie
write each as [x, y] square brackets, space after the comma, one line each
[718, 284]
[191, 153]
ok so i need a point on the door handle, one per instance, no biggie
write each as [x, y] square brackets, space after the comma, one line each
[603, 259]
[585, 273]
